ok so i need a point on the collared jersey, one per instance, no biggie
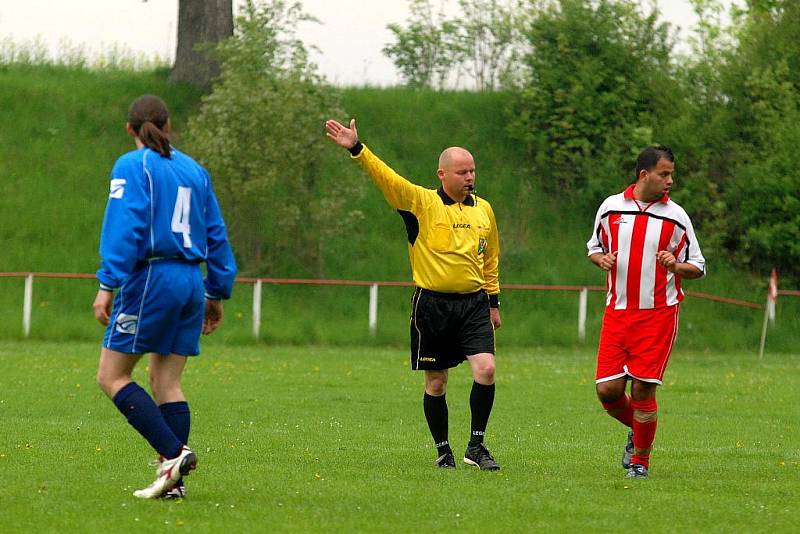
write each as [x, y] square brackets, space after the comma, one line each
[163, 208]
[638, 231]
[453, 247]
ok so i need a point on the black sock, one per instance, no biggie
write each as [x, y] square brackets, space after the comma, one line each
[481, 399]
[436, 415]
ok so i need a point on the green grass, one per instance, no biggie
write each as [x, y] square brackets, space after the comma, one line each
[333, 439]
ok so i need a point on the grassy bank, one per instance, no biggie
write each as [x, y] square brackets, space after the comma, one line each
[68, 130]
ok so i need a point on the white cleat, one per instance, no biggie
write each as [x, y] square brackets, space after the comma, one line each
[168, 474]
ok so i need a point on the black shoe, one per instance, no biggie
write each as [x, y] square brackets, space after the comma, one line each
[627, 452]
[479, 456]
[637, 471]
[446, 461]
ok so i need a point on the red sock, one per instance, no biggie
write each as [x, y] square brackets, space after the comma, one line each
[644, 432]
[620, 409]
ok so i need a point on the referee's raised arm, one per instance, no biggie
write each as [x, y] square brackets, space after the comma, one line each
[399, 192]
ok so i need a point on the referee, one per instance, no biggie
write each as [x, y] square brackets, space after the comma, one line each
[454, 251]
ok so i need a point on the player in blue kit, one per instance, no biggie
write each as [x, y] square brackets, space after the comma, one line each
[161, 222]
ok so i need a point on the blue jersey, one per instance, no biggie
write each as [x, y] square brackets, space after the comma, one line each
[163, 208]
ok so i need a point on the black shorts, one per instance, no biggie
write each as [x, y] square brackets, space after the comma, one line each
[448, 327]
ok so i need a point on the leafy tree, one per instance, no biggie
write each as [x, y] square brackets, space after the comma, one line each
[486, 34]
[764, 196]
[597, 85]
[737, 130]
[424, 51]
[260, 134]
[762, 83]
[699, 127]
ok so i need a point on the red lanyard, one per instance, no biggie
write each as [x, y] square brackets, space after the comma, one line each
[646, 207]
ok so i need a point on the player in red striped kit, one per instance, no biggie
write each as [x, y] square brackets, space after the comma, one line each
[645, 242]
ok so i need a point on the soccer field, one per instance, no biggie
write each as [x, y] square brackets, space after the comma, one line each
[333, 439]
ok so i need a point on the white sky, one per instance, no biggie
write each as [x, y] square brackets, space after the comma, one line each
[350, 38]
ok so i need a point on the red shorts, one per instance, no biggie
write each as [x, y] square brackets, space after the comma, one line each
[636, 343]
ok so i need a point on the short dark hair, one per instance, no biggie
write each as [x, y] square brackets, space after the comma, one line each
[650, 156]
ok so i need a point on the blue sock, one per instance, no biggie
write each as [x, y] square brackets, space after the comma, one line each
[178, 417]
[143, 415]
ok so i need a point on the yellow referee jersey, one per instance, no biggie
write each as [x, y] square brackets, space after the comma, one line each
[453, 246]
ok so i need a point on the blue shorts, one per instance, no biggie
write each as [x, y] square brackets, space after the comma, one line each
[160, 309]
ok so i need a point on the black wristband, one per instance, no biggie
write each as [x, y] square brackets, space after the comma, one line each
[356, 149]
[494, 300]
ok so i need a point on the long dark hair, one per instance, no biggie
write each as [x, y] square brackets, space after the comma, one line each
[148, 117]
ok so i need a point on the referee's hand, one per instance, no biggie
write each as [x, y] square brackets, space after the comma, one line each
[494, 316]
[341, 135]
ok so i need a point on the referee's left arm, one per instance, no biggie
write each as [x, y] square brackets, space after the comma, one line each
[491, 263]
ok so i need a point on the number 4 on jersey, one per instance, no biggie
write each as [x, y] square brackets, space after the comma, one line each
[180, 217]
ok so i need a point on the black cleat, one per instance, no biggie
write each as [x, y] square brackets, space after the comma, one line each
[479, 456]
[637, 471]
[446, 461]
[627, 452]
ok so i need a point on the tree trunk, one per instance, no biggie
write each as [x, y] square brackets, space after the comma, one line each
[200, 22]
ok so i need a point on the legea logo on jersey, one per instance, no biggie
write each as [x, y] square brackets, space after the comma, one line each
[127, 324]
[117, 188]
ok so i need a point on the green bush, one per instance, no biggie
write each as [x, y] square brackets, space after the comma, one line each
[597, 85]
[260, 134]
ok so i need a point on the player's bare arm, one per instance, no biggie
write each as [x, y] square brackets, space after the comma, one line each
[341, 135]
[685, 270]
[604, 261]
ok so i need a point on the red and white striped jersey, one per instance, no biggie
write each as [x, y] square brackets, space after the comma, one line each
[638, 231]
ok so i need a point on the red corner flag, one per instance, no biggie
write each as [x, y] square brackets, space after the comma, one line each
[773, 286]
[772, 294]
